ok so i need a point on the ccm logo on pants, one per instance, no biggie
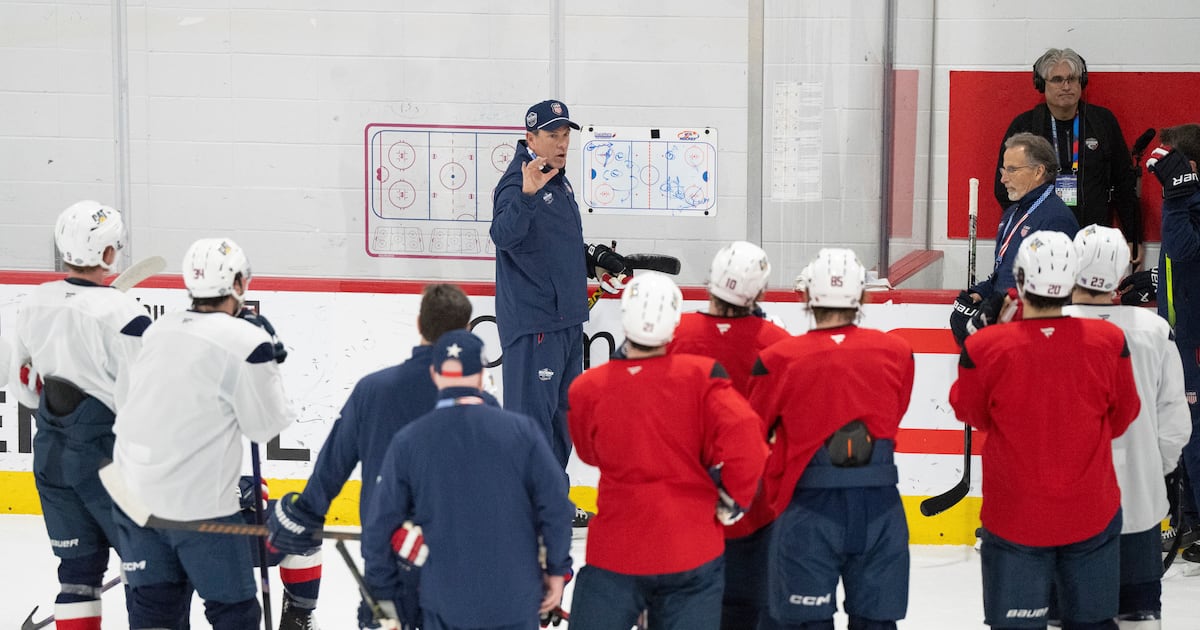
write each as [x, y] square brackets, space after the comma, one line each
[811, 600]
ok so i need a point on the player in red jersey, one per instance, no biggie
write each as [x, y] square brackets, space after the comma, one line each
[659, 427]
[1052, 392]
[732, 332]
[833, 399]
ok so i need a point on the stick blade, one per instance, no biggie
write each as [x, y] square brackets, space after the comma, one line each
[654, 262]
[138, 272]
[946, 500]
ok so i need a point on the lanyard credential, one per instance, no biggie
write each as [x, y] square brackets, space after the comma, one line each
[1010, 229]
[1074, 141]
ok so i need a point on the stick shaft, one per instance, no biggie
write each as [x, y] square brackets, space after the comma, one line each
[972, 229]
[260, 519]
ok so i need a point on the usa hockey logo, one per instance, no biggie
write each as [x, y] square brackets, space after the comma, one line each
[531, 119]
[556, 108]
[688, 134]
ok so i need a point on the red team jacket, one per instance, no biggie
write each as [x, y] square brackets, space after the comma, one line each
[653, 427]
[807, 387]
[735, 343]
[1052, 394]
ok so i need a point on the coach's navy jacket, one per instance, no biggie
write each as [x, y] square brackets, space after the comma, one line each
[541, 271]
[1179, 277]
[1052, 214]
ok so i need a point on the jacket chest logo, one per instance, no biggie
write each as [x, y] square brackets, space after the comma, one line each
[548, 197]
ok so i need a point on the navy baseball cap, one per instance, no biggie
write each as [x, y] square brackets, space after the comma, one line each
[461, 346]
[548, 115]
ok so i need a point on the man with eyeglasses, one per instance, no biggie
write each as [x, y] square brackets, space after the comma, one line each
[1097, 176]
[1027, 172]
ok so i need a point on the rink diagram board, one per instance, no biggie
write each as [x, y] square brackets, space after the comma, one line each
[649, 170]
[429, 188]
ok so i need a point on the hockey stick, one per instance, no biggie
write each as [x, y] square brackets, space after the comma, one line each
[260, 519]
[948, 499]
[138, 272]
[650, 262]
[137, 512]
[30, 624]
[372, 603]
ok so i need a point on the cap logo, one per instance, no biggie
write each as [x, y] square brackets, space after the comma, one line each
[556, 107]
[531, 119]
[453, 351]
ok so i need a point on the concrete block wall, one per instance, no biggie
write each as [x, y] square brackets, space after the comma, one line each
[246, 117]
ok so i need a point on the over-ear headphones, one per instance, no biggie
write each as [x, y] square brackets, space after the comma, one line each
[1039, 83]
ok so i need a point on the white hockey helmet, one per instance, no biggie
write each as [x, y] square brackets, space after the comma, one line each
[1103, 257]
[651, 307]
[739, 273]
[85, 230]
[1049, 264]
[834, 279]
[210, 266]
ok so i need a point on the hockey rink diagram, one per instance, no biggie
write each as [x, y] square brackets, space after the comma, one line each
[429, 188]
[650, 171]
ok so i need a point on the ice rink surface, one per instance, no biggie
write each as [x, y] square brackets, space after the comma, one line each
[945, 590]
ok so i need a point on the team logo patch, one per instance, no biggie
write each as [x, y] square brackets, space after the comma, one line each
[1049, 330]
[1025, 231]
[635, 369]
[838, 339]
[548, 197]
[1092, 143]
[556, 107]
[1191, 398]
[545, 374]
[724, 328]
[531, 119]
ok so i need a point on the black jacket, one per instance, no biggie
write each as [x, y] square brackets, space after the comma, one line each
[1106, 173]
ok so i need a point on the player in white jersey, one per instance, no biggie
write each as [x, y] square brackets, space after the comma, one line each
[205, 379]
[1150, 448]
[79, 335]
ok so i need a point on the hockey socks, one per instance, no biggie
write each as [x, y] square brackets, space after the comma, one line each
[301, 577]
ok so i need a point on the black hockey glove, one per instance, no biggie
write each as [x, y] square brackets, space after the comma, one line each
[989, 313]
[964, 309]
[1173, 171]
[728, 510]
[1140, 288]
[246, 498]
[249, 315]
[606, 266]
[290, 526]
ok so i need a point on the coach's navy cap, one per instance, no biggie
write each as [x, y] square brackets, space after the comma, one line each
[548, 115]
[460, 346]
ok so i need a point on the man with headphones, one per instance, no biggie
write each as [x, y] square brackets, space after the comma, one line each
[1096, 174]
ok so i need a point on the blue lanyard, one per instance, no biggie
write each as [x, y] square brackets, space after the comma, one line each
[1074, 140]
[1010, 229]
[461, 400]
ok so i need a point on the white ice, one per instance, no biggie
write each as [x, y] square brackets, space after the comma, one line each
[944, 594]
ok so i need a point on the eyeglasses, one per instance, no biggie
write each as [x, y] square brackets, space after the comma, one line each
[1063, 80]
[1012, 170]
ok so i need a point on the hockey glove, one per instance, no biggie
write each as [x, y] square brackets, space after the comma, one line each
[611, 283]
[1139, 289]
[606, 258]
[408, 541]
[964, 309]
[291, 526]
[263, 323]
[246, 498]
[30, 379]
[993, 311]
[728, 510]
[1173, 171]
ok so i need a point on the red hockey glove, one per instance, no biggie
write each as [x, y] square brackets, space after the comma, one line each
[408, 541]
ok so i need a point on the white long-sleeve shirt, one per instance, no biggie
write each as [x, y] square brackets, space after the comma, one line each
[201, 383]
[1151, 446]
[79, 331]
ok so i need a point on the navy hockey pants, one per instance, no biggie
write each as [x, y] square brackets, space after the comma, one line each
[1017, 579]
[688, 600]
[857, 534]
[745, 598]
[538, 370]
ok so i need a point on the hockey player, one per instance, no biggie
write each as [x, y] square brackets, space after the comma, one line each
[443, 470]
[731, 333]
[833, 399]
[677, 427]
[542, 266]
[204, 380]
[1063, 524]
[80, 336]
[380, 405]
[1151, 446]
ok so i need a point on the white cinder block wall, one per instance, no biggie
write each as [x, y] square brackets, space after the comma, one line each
[246, 117]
